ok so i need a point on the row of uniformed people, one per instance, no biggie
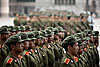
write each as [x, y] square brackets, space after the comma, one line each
[81, 50]
[38, 22]
[49, 56]
[51, 48]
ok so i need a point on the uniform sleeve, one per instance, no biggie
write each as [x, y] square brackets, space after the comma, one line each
[63, 65]
[7, 65]
[32, 61]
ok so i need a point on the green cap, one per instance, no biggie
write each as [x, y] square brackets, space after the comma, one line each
[5, 26]
[17, 28]
[49, 32]
[22, 28]
[11, 28]
[79, 35]
[68, 41]
[13, 39]
[86, 38]
[56, 31]
[28, 28]
[31, 35]
[81, 43]
[49, 28]
[60, 29]
[96, 33]
[23, 35]
[4, 30]
[44, 33]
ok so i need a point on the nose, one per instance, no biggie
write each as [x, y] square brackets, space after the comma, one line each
[22, 44]
[77, 47]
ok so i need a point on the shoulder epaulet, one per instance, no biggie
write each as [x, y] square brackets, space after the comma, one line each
[67, 60]
[9, 61]
[0, 45]
[19, 56]
[75, 59]
[26, 53]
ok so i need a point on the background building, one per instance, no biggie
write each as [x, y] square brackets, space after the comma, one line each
[11, 7]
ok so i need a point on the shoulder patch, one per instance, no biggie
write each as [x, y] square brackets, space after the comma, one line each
[19, 56]
[9, 61]
[87, 46]
[85, 49]
[75, 59]
[0, 45]
[32, 50]
[67, 60]
[26, 53]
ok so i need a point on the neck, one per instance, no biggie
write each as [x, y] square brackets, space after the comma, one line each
[2, 42]
[70, 54]
[14, 53]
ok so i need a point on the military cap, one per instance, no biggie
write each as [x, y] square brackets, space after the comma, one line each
[24, 36]
[50, 28]
[5, 26]
[28, 28]
[56, 31]
[79, 35]
[60, 29]
[49, 32]
[44, 33]
[4, 30]
[17, 28]
[31, 35]
[40, 37]
[68, 41]
[36, 33]
[85, 38]
[11, 28]
[81, 43]
[13, 39]
[39, 34]
[22, 28]
[96, 33]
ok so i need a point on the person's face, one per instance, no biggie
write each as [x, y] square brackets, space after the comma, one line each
[56, 37]
[91, 38]
[4, 37]
[51, 37]
[12, 33]
[31, 45]
[38, 42]
[26, 44]
[74, 49]
[61, 35]
[19, 47]
[80, 50]
[17, 15]
[45, 40]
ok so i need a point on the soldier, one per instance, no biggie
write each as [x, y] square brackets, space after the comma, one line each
[82, 61]
[16, 47]
[12, 30]
[30, 61]
[16, 20]
[4, 51]
[71, 48]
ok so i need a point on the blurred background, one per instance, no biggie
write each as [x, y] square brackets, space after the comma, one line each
[10, 7]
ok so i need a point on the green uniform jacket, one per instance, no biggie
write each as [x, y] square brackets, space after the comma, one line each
[12, 61]
[67, 61]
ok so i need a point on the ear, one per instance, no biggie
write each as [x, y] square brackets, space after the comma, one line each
[13, 47]
[69, 46]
